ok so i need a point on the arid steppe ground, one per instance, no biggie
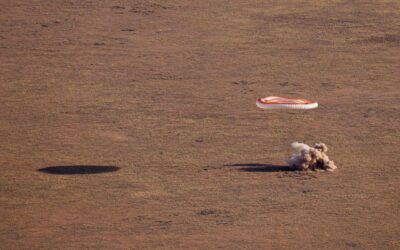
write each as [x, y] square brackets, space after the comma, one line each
[165, 91]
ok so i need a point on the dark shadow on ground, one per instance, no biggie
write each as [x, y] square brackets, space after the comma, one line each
[78, 169]
[257, 167]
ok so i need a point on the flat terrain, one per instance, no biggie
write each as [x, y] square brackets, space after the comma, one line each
[162, 95]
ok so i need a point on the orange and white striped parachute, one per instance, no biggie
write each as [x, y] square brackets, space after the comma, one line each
[276, 102]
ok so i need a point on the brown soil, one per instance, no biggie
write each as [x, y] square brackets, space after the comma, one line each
[162, 94]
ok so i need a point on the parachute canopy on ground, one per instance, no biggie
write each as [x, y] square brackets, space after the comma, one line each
[276, 102]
